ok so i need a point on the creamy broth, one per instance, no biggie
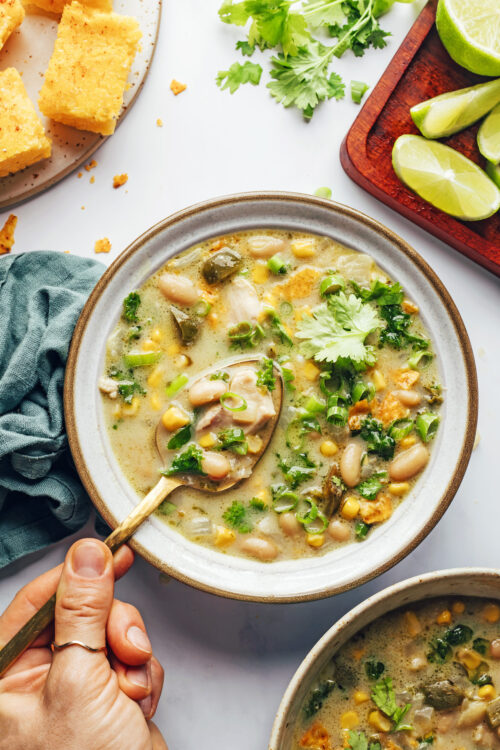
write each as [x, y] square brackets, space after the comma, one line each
[361, 391]
[424, 677]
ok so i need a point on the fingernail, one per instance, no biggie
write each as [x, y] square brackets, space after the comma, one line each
[139, 639]
[138, 676]
[88, 559]
[146, 705]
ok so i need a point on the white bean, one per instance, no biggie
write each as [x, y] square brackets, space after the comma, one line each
[409, 463]
[408, 398]
[205, 391]
[262, 549]
[178, 289]
[289, 524]
[472, 714]
[339, 531]
[495, 648]
[265, 246]
[350, 463]
[215, 465]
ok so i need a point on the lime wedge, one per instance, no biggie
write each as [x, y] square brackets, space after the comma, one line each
[470, 31]
[488, 137]
[445, 178]
[494, 172]
[455, 110]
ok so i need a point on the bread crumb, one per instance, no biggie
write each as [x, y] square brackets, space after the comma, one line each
[7, 235]
[79, 175]
[102, 246]
[177, 88]
[66, 252]
[91, 165]
[159, 123]
[92, 180]
[119, 180]
[83, 208]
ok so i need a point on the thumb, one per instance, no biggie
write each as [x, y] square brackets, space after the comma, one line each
[84, 595]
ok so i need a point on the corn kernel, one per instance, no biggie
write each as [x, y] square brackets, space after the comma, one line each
[379, 721]
[156, 335]
[444, 617]
[181, 361]
[117, 411]
[487, 692]
[303, 248]
[408, 441]
[130, 410]
[173, 419]
[224, 536]
[378, 380]
[350, 508]
[208, 440]
[254, 443]
[315, 540]
[260, 273]
[458, 608]
[156, 377]
[409, 307]
[149, 346]
[328, 448]
[398, 488]
[155, 401]
[173, 349]
[412, 623]
[357, 653]
[360, 697]
[470, 659]
[264, 495]
[311, 372]
[212, 319]
[491, 613]
[349, 720]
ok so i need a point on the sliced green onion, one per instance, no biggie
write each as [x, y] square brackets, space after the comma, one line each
[295, 435]
[276, 264]
[331, 284]
[234, 396]
[362, 391]
[202, 308]
[142, 360]
[427, 425]
[314, 405]
[361, 529]
[176, 385]
[288, 378]
[318, 525]
[167, 508]
[307, 512]
[358, 90]
[323, 192]
[285, 501]
[421, 359]
[286, 309]
[401, 428]
[337, 413]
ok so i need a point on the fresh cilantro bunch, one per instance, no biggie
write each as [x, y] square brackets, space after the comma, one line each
[300, 69]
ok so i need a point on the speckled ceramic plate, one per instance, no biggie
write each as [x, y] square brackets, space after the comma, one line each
[458, 582]
[237, 577]
[29, 50]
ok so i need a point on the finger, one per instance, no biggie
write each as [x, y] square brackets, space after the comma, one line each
[29, 660]
[127, 635]
[135, 682]
[157, 738]
[150, 704]
[34, 595]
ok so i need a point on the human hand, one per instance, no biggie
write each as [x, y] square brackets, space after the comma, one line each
[74, 699]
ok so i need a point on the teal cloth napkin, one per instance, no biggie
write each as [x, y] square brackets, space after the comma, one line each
[41, 497]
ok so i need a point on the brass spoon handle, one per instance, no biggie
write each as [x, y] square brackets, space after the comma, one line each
[32, 629]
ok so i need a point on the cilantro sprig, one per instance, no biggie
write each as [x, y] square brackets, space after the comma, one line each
[384, 697]
[301, 68]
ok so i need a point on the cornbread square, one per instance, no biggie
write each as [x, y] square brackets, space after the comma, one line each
[88, 70]
[57, 6]
[11, 16]
[22, 136]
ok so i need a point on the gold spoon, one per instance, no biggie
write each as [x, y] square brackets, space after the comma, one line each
[127, 528]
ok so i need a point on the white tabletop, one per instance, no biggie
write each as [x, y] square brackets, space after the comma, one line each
[227, 663]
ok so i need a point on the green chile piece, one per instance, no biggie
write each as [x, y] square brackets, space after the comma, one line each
[221, 265]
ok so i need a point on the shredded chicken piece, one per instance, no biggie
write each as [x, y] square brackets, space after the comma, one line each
[260, 406]
[242, 302]
[108, 386]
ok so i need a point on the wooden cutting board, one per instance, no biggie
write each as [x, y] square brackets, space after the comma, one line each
[420, 69]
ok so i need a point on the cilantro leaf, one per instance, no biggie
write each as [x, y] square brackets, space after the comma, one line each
[127, 389]
[357, 740]
[238, 74]
[232, 439]
[338, 329]
[370, 488]
[295, 34]
[245, 48]
[235, 14]
[323, 13]
[384, 697]
[265, 374]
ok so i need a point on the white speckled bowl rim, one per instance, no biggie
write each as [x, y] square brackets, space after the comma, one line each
[480, 582]
[236, 577]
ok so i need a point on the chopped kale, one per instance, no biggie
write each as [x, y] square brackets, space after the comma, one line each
[458, 634]
[374, 669]
[265, 374]
[188, 462]
[295, 474]
[127, 389]
[377, 439]
[316, 698]
[232, 439]
[180, 438]
[130, 307]
[481, 645]
[236, 517]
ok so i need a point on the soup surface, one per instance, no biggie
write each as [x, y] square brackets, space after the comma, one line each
[361, 392]
[425, 678]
